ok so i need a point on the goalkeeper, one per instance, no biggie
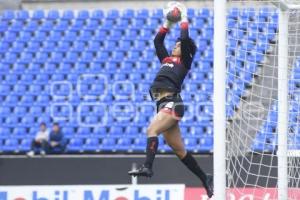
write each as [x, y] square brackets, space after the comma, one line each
[165, 90]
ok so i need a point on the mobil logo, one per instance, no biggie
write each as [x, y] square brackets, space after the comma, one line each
[136, 194]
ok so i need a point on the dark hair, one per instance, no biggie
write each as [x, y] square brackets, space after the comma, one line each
[55, 124]
[192, 45]
[42, 124]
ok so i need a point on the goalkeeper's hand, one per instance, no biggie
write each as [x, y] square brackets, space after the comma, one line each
[183, 11]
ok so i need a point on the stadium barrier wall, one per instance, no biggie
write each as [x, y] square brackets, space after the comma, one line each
[112, 169]
[105, 169]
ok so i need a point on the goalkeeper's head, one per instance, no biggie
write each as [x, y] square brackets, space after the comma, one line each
[191, 45]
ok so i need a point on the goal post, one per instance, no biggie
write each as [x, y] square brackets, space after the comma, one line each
[219, 98]
[283, 110]
[257, 99]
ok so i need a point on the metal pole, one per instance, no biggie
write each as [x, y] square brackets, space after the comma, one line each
[219, 99]
[283, 109]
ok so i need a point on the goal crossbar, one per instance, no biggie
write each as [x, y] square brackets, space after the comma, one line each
[283, 5]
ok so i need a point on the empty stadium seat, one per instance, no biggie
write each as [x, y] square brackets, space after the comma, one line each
[10, 145]
[75, 145]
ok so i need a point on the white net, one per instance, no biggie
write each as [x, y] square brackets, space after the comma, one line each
[252, 99]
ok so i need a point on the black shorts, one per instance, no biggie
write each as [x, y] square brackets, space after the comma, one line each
[172, 105]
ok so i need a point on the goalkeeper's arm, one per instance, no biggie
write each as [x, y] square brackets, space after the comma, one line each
[160, 48]
[188, 47]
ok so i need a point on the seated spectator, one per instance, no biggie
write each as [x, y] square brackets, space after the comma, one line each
[40, 141]
[56, 142]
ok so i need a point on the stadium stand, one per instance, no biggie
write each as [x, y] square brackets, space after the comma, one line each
[267, 138]
[70, 66]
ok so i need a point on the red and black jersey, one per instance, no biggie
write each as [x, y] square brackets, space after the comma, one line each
[173, 69]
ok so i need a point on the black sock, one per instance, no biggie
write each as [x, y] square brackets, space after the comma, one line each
[152, 145]
[192, 164]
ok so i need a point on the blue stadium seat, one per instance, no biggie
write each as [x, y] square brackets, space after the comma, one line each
[8, 15]
[205, 13]
[191, 143]
[157, 13]
[75, 145]
[91, 144]
[22, 15]
[19, 133]
[85, 36]
[131, 34]
[25, 145]
[112, 14]
[115, 130]
[18, 47]
[20, 110]
[124, 45]
[123, 23]
[11, 100]
[206, 144]
[143, 13]
[36, 110]
[11, 78]
[27, 100]
[107, 144]
[46, 27]
[97, 15]
[139, 144]
[191, 12]
[153, 23]
[4, 89]
[99, 131]
[26, 78]
[9, 36]
[67, 15]
[108, 24]
[128, 14]
[4, 132]
[116, 35]
[4, 111]
[83, 15]
[53, 15]
[94, 46]
[92, 25]
[38, 15]
[76, 25]
[4, 46]
[123, 144]
[43, 99]
[10, 145]
[145, 34]
[33, 47]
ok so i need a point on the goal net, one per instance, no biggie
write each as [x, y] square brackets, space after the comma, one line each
[262, 115]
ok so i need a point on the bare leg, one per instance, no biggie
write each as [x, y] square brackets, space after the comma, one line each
[174, 140]
[160, 123]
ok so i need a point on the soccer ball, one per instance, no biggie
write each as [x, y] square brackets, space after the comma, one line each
[172, 11]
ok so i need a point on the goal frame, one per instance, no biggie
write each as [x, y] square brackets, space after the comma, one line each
[219, 99]
[220, 11]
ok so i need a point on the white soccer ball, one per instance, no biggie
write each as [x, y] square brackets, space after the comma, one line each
[172, 11]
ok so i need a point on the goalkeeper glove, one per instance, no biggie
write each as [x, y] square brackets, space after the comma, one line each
[183, 11]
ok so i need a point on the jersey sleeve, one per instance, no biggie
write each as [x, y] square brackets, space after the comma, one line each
[160, 48]
[186, 55]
